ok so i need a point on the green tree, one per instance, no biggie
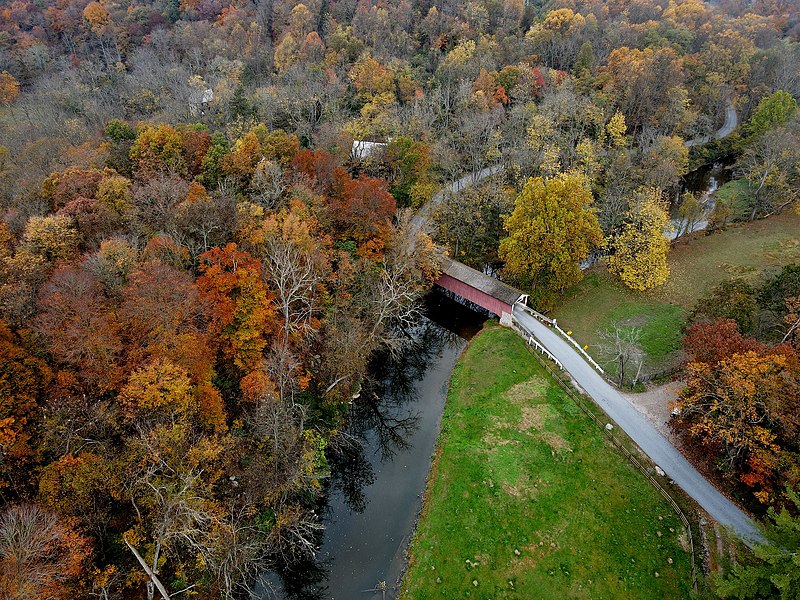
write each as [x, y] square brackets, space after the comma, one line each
[734, 299]
[552, 228]
[773, 111]
[640, 251]
[776, 574]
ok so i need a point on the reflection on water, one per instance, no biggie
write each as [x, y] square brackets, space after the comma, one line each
[380, 463]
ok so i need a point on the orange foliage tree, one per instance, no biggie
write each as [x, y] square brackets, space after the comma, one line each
[9, 88]
[745, 409]
[40, 554]
[242, 313]
[23, 377]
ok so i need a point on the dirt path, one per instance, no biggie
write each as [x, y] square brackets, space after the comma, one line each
[655, 404]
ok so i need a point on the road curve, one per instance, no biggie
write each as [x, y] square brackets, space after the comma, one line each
[420, 220]
[646, 436]
[731, 121]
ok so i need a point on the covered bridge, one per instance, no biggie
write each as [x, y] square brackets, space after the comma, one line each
[481, 289]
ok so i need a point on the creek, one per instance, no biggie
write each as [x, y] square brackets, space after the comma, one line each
[703, 182]
[378, 477]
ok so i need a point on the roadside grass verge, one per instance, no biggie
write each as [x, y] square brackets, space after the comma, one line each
[527, 499]
[696, 266]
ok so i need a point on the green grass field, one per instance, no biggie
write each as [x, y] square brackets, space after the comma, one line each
[696, 266]
[528, 500]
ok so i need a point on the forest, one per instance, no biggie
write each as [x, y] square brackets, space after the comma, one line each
[196, 268]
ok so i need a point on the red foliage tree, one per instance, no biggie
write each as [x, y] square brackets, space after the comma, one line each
[364, 209]
[79, 327]
[713, 342]
[322, 170]
[64, 186]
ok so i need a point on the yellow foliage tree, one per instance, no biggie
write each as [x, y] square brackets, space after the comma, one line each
[97, 16]
[159, 387]
[53, 237]
[616, 128]
[640, 251]
[553, 228]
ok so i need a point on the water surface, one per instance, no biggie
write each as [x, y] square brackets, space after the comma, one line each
[380, 469]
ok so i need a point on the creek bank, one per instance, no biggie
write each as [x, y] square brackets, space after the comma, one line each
[377, 481]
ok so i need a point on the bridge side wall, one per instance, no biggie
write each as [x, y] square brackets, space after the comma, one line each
[468, 292]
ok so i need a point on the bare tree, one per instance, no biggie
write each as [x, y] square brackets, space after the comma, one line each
[294, 276]
[240, 553]
[394, 302]
[771, 167]
[620, 344]
[268, 184]
[38, 553]
[170, 498]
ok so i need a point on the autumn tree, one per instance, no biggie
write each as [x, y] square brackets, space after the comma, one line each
[160, 304]
[9, 88]
[52, 237]
[114, 192]
[78, 486]
[157, 149]
[647, 86]
[718, 340]
[363, 209]
[558, 37]
[743, 410]
[552, 228]
[371, 78]
[639, 256]
[160, 390]
[257, 145]
[64, 186]
[23, 378]
[79, 329]
[40, 554]
[242, 313]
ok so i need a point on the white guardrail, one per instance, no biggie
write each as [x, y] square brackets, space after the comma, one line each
[564, 334]
[532, 341]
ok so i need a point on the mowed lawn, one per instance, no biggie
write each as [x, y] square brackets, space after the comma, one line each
[696, 266]
[528, 500]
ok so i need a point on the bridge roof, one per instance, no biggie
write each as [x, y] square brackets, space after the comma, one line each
[480, 281]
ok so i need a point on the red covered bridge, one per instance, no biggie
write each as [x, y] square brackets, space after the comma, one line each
[479, 288]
